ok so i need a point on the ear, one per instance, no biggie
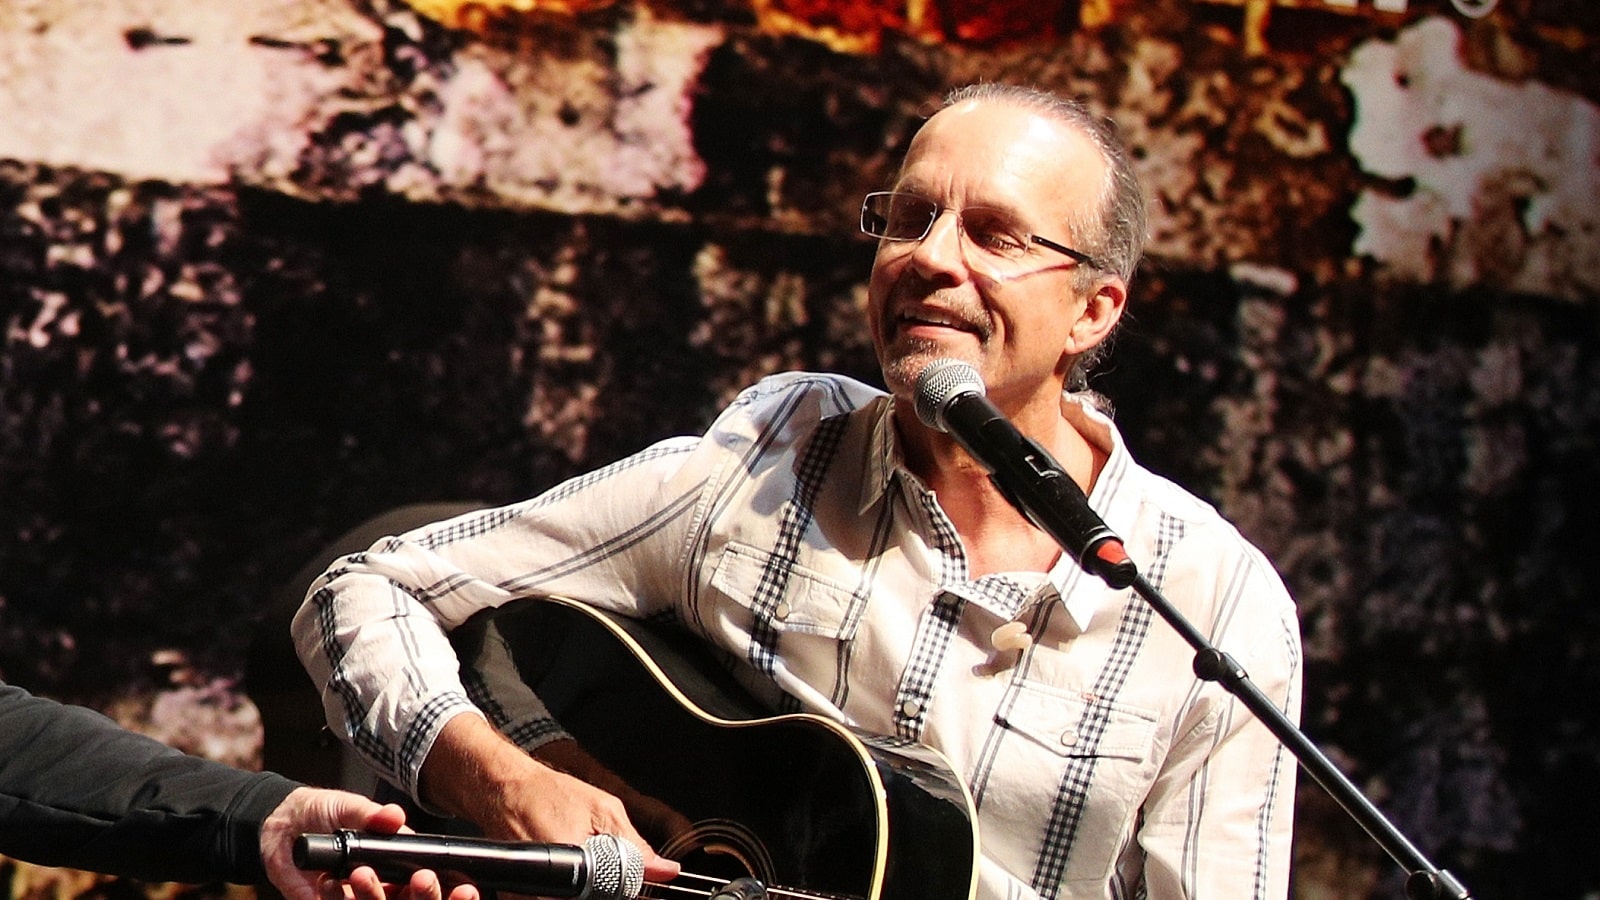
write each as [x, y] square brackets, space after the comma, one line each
[1101, 312]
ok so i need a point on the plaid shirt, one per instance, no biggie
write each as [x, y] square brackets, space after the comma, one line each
[791, 536]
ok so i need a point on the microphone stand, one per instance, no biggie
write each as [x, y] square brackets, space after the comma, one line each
[1103, 556]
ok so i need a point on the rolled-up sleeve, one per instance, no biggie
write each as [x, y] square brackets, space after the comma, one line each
[373, 632]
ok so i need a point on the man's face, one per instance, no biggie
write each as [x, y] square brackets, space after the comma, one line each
[940, 297]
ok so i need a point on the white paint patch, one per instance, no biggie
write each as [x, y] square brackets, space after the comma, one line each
[1465, 139]
[578, 136]
[198, 98]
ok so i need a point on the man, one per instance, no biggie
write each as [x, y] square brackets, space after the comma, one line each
[863, 566]
[77, 790]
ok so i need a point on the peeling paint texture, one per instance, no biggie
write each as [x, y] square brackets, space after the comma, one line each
[271, 267]
[92, 84]
[1487, 181]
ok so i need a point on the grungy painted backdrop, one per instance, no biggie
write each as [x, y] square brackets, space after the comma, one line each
[268, 267]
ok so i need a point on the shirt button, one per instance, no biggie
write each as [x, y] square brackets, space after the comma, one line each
[1069, 739]
[910, 709]
[781, 611]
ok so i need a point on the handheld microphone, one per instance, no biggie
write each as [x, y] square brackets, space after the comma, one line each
[951, 398]
[604, 868]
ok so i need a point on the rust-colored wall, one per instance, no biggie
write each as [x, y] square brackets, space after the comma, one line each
[271, 266]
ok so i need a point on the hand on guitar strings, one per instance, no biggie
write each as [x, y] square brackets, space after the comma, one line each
[476, 773]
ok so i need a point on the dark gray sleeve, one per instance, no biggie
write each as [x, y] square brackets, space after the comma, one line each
[79, 791]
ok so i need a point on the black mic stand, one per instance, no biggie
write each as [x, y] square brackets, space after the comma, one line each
[1102, 554]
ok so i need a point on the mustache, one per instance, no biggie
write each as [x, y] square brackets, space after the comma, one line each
[914, 298]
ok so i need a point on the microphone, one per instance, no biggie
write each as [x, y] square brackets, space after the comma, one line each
[604, 868]
[951, 398]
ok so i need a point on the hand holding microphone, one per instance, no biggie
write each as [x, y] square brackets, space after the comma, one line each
[605, 867]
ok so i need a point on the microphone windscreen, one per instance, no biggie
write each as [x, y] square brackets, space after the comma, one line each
[942, 381]
[616, 868]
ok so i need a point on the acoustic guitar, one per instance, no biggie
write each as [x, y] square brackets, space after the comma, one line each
[804, 804]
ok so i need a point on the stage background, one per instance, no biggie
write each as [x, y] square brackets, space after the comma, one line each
[268, 268]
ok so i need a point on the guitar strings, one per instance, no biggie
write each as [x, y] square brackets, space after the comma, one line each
[771, 891]
[719, 882]
[679, 889]
[735, 839]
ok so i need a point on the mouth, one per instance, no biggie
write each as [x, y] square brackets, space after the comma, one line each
[923, 319]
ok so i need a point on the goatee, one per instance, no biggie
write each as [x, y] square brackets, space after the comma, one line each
[904, 361]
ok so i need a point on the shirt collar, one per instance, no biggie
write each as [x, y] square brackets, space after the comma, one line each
[1093, 424]
[884, 458]
[883, 454]
[1109, 496]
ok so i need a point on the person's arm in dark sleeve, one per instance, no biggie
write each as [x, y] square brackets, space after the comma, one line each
[79, 791]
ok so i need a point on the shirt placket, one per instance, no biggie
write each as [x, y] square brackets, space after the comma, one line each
[935, 626]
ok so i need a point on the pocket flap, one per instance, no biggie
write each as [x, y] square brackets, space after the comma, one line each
[1077, 723]
[810, 603]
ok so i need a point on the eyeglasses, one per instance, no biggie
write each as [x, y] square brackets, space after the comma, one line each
[991, 233]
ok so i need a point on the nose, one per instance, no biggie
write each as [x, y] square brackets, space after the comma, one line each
[938, 255]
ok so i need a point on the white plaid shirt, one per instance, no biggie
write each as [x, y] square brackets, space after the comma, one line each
[791, 536]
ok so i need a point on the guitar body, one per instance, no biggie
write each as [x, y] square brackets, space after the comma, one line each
[797, 801]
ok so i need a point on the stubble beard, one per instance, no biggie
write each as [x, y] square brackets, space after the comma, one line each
[902, 357]
[905, 360]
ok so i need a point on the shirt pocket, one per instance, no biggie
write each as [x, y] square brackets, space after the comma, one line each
[787, 597]
[1076, 751]
[1071, 723]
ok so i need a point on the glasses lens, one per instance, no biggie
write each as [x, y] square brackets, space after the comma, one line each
[898, 217]
[992, 233]
[873, 215]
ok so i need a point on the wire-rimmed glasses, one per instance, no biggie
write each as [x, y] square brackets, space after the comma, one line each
[991, 235]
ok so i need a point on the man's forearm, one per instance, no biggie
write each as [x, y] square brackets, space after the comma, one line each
[469, 758]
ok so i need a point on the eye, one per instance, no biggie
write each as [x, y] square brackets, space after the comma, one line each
[993, 231]
[907, 216]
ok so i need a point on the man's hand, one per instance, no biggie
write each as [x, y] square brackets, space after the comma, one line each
[319, 811]
[475, 773]
[657, 821]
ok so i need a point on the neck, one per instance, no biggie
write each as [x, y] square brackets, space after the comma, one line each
[997, 537]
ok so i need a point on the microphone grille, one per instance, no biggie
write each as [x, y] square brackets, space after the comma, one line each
[942, 381]
[616, 868]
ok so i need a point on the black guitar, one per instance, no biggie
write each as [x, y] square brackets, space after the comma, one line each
[806, 805]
